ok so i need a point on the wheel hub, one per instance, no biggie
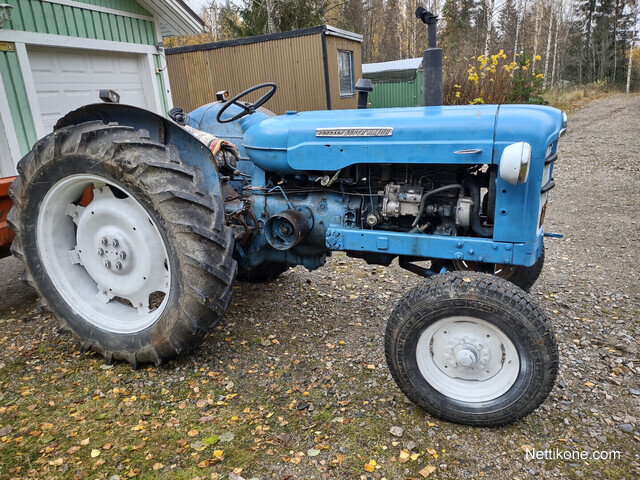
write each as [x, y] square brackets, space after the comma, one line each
[107, 259]
[466, 357]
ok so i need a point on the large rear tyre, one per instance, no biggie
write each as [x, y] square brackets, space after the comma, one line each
[122, 241]
[523, 277]
[471, 348]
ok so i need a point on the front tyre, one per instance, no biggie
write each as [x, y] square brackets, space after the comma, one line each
[471, 348]
[521, 276]
[122, 241]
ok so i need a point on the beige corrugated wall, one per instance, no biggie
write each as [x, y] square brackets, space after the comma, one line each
[295, 65]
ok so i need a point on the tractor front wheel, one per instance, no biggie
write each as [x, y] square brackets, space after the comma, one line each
[122, 241]
[471, 348]
[523, 277]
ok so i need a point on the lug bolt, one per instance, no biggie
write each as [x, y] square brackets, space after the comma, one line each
[118, 265]
[104, 241]
[100, 251]
[122, 255]
[115, 242]
[107, 263]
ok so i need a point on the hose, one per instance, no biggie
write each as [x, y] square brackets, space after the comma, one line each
[476, 226]
[423, 200]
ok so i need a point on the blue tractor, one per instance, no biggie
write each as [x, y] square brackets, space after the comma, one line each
[133, 227]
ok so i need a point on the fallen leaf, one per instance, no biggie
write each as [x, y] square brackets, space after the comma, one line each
[85, 441]
[432, 451]
[526, 448]
[313, 452]
[158, 466]
[370, 466]
[589, 384]
[428, 470]
[414, 456]
[404, 456]
[57, 462]
[212, 440]
[227, 437]
[95, 452]
[193, 433]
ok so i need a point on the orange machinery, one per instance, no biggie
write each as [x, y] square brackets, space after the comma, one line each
[6, 235]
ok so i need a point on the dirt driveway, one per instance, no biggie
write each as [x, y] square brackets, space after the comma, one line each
[293, 384]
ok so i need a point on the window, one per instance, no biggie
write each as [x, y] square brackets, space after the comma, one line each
[345, 72]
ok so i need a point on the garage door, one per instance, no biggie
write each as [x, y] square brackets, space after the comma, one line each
[66, 79]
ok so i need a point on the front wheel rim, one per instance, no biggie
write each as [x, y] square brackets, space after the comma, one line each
[467, 359]
[105, 257]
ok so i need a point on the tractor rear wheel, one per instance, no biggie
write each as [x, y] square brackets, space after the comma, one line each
[122, 241]
[471, 348]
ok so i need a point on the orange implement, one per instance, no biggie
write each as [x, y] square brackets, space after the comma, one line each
[6, 235]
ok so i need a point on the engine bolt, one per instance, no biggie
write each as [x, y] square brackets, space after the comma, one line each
[100, 251]
[115, 242]
[118, 265]
[122, 255]
[107, 263]
[104, 241]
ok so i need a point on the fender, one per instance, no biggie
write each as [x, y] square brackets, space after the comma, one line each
[162, 130]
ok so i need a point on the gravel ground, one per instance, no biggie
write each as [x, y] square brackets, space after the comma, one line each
[309, 346]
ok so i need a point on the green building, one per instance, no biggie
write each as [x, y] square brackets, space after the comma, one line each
[55, 55]
[399, 83]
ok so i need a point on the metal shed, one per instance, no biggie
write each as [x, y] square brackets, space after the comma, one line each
[314, 69]
[399, 83]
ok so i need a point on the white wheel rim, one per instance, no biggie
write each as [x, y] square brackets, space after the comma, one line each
[467, 359]
[105, 259]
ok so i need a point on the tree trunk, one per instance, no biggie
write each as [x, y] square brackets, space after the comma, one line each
[555, 51]
[488, 15]
[535, 37]
[270, 6]
[548, 51]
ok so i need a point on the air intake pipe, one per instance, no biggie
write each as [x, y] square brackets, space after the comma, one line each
[431, 61]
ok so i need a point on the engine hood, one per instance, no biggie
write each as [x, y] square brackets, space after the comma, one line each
[331, 140]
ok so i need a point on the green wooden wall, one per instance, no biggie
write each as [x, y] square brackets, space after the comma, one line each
[44, 17]
[51, 18]
[122, 5]
[18, 102]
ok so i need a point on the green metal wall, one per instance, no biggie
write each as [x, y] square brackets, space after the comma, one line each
[44, 17]
[398, 94]
[18, 102]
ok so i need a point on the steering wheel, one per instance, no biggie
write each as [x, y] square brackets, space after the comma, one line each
[247, 109]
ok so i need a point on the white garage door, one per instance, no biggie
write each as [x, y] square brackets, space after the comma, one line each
[66, 79]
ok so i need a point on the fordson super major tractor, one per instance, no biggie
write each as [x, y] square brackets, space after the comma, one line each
[133, 227]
